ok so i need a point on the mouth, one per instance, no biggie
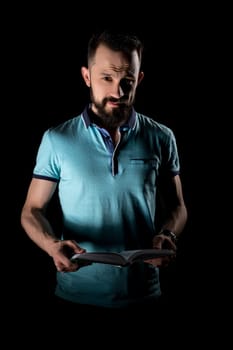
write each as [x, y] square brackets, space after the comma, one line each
[117, 103]
[114, 104]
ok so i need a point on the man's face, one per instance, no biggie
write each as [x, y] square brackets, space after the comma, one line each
[113, 79]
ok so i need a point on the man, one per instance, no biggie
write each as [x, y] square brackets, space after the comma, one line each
[111, 165]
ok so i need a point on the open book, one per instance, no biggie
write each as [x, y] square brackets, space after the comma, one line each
[123, 258]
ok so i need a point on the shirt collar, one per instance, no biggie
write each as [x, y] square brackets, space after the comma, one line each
[130, 124]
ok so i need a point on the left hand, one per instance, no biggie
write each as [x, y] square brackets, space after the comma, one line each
[162, 242]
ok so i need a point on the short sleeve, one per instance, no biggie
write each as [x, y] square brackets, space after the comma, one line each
[47, 162]
[170, 161]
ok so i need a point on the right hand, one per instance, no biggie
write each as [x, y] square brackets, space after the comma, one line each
[61, 251]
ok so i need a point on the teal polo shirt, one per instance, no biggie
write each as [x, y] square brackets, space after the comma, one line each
[107, 198]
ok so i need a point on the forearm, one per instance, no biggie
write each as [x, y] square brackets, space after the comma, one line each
[38, 228]
[176, 220]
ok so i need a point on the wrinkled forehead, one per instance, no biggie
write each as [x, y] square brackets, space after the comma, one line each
[107, 59]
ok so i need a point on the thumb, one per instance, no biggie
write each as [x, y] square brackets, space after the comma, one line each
[75, 247]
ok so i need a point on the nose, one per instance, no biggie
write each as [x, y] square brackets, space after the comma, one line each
[117, 91]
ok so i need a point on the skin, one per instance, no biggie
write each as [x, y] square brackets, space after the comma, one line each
[113, 80]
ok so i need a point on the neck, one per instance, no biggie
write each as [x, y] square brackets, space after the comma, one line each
[115, 135]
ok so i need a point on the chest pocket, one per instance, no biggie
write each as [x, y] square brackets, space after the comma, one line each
[152, 163]
[145, 169]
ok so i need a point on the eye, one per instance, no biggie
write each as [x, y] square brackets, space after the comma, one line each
[129, 82]
[126, 84]
[107, 78]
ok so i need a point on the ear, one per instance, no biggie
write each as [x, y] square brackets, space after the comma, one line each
[86, 76]
[140, 77]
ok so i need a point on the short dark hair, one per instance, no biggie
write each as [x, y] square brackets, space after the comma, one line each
[125, 42]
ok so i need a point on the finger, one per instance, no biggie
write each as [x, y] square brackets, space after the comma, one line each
[67, 268]
[75, 246]
[155, 262]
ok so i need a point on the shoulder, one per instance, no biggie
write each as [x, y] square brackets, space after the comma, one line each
[151, 125]
[62, 133]
[67, 126]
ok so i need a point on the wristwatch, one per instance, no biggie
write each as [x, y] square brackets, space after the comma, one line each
[170, 234]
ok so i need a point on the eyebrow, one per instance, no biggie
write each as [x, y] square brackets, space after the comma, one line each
[129, 74]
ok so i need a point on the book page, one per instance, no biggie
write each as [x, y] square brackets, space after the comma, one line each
[144, 254]
[123, 258]
[101, 257]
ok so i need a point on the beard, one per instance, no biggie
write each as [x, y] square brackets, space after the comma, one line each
[114, 118]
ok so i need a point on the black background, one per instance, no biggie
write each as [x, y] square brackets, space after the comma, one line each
[44, 57]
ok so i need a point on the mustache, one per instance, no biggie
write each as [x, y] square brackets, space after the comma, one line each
[116, 100]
